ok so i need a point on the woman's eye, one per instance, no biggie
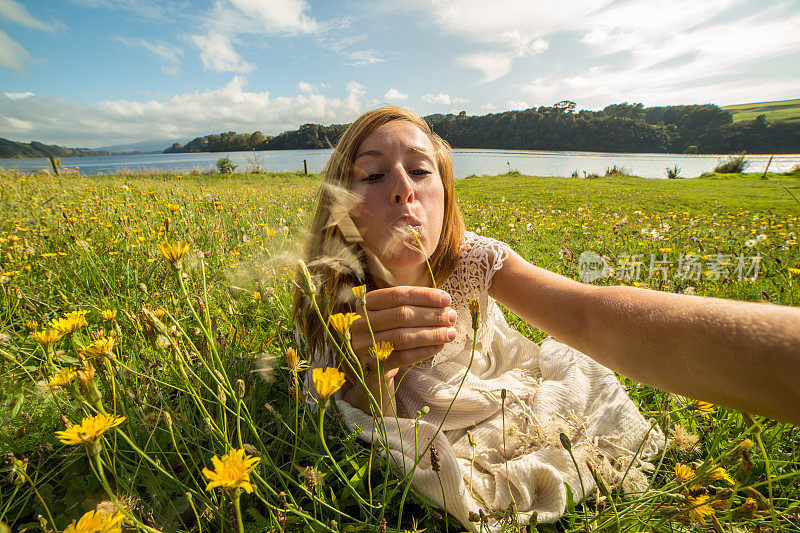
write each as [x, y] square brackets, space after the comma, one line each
[373, 177]
[420, 172]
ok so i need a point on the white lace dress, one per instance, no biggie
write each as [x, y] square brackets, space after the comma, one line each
[550, 389]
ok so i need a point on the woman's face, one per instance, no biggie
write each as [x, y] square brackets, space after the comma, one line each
[396, 175]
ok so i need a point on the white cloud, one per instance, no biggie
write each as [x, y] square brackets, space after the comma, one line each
[359, 58]
[493, 64]
[160, 49]
[229, 108]
[217, 53]
[517, 104]
[305, 87]
[444, 99]
[12, 54]
[18, 96]
[257, 16]
[160, 10]
[394, 94]
[17, 13]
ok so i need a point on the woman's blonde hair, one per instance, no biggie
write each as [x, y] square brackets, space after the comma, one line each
[333, 254]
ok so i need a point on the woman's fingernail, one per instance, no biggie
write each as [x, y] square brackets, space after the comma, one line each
[451, 334]
[445, 300]
[452, 315]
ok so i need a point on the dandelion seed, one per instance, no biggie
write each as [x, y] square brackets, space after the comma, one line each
[96, 521]
[381, 350]
[327, 381]
[232, 471]
[89, 430]
[48, 337]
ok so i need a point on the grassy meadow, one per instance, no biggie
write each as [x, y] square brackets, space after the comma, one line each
[788, 110]
[171, 368]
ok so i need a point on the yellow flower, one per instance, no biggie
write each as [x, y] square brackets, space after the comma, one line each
[703, 407]
[173, 207]
[70, 322]
[89, 430]
[475, 313]
[31, 325]
[341, 322]
[100, 347]
[232, 471]
[382, 350]
[795, 271]
[109, 314]
[327, 381]
[63, 378]
[158, 313]
[173, 252]
[97, 522]
[293, 361]
[720, 473]
[48, 337]
[270, 232]
[360, 292]
[684, 472]
[699, 508]
[256, 296]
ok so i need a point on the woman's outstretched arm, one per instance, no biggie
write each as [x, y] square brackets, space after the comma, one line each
[738, 354]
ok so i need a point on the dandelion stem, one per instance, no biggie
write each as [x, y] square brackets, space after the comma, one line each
[238, 508]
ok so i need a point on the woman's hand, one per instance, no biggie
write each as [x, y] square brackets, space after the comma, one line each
[416, 320]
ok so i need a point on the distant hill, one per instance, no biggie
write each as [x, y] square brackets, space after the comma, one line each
[788, 110]
[144, 147]
[37, 149]
[631, 128]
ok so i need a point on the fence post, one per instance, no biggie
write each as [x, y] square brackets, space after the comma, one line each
[305, 167]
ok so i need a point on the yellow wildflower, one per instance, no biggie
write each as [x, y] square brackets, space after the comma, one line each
[48, 337]
[31, 326]
[341, 322]
[89, 430]
[97, 522]
[360, 292]
[100, 347]
[795, 271]
[699, 508]
[173, 207]
[270, 232]
[720, 473]
[62, 379]
[158, 313]
[173, 252]
[327, 381]
[70, 322]
[232, 471]
[381, 350]
[475, 313]
[293, 361]
[109, 314]
[703, 407]
[684, 472]
[256, 296]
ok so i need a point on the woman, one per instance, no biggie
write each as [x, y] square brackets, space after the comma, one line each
[387, 217]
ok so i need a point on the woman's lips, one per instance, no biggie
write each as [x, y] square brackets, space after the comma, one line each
[407, 221]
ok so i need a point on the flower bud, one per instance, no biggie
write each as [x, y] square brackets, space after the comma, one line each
[308, 282]
[565, 442]
[239, 389]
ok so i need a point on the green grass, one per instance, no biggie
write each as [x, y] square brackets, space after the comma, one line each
[89, 243]
[788, 110]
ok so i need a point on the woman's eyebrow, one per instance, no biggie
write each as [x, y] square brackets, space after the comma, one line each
[373, 153]
[411, 149]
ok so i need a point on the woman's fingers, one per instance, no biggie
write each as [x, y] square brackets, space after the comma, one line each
[406, 338]
[406, 316]
[409, 357]
[406, 295]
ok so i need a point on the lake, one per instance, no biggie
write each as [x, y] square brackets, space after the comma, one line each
[466, 161]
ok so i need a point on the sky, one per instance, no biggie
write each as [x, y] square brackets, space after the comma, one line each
[92, 73]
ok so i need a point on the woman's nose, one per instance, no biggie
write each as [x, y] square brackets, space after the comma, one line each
[403, 190]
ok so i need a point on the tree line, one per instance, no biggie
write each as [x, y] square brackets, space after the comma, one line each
[699, 129]
[37, 149]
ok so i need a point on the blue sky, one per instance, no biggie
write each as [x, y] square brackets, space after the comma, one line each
[100, 72]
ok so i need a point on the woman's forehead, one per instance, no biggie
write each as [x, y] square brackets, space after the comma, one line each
[398, 135]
